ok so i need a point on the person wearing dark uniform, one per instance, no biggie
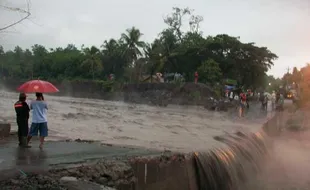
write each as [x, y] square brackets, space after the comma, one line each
[22, 115]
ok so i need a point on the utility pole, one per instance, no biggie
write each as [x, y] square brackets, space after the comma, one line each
[288, 72]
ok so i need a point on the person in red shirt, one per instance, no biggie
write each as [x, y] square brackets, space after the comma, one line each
[196, 77]
[242, 104]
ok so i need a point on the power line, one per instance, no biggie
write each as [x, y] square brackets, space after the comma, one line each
[27, 12]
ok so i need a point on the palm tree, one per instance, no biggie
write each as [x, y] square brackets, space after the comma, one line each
[109, 47]
[1, 59]
[110, 55]
[154, 58]
[92, 56]
[133, 43]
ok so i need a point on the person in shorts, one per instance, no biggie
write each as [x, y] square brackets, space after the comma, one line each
[39, 119]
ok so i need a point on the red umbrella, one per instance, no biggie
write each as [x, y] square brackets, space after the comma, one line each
[34, 86]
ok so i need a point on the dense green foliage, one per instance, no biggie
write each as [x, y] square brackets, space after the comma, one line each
[129, 58]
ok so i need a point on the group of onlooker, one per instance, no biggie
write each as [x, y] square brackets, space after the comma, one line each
[276, 99]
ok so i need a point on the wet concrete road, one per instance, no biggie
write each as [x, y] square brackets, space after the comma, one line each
[14, 160]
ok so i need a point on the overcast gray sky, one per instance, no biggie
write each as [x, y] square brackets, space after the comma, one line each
[281, 25]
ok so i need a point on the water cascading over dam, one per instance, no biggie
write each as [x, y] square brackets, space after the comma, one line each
[228, 168]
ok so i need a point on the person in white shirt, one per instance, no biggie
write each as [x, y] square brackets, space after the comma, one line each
[39, 119]
[273, 100]
[231, 96]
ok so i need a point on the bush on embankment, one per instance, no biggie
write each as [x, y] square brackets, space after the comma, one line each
[168, 93]
[149, 93]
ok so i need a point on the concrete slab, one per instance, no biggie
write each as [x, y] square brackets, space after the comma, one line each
[14, 160]
[5, 129]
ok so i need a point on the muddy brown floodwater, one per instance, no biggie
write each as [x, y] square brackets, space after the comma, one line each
[176, 128]
[288, 167]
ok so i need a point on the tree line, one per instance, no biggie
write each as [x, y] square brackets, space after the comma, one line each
[296, 76]
[129, 58]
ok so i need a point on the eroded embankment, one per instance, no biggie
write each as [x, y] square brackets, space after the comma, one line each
[226, 168]
[160, 94]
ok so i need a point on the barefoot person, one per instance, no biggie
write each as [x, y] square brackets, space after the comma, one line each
[22, 116]
[39, 119]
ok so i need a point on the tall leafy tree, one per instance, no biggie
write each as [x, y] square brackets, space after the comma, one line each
[296, 75]
[132, 40]
[114, 58]
[92, 61]
[210, 72]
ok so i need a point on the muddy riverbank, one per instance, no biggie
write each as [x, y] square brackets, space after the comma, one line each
[102, 175]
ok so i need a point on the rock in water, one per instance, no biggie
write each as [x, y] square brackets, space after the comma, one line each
[106, 188]
[295, 123]
[68, 179]
[72, 183]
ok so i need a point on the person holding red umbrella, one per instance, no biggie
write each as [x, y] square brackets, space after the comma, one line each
[39, 119]
[38, 107]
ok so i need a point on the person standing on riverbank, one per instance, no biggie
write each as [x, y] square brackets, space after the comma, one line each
[273, 100]
[280, 103]
[264, 102]
[22, 116]
[39, 119]
[196, 77]
[242, 104]
[279, 115]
